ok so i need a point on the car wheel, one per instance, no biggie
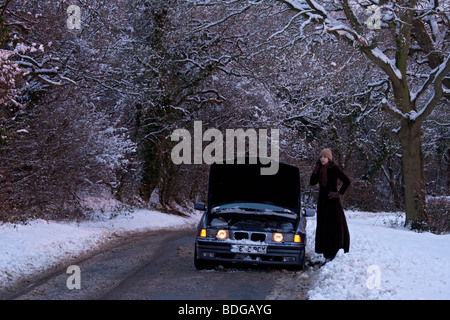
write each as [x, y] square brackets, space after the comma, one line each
[301, 266]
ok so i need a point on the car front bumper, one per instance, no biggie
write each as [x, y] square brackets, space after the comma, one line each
[287, 254]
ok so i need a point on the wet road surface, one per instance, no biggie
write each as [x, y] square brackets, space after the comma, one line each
[159, 265]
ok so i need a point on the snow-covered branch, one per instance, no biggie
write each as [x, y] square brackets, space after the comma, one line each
[388, 65]
[287, 25]
[331, 25]
[36, 69]
[392, 109]
[212, 24]
[435, 79]
[430, 79]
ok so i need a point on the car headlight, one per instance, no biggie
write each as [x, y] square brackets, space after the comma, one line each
[277, 237]
[222, 234]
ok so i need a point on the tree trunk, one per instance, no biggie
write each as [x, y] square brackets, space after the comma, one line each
[413, 176]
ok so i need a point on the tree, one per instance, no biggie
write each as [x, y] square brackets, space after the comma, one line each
[410, 46]
[64, 113]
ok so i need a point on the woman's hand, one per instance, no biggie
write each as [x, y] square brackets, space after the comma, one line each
[334, 195]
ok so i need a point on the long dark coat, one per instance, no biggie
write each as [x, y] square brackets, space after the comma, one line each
[332, 231]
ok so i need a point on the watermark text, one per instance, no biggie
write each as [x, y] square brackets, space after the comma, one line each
[74, 280]
[256, 141]
[374, 279]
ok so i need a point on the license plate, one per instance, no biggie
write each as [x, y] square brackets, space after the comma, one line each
[244, 248]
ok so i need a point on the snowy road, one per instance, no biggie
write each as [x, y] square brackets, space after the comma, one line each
[159, 265]
[153, 251]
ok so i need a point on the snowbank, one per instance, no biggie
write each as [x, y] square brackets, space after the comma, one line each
[38, 245]
[385, 261]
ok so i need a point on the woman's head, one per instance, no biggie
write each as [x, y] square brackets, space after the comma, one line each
[325, 156]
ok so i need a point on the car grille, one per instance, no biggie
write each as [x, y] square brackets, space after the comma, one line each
[240, 235]
[258, 237]
[254, 236]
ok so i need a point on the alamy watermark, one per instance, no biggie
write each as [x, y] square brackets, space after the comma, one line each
[374, 279]
[374, 21]
[74, 280]
[73, 17]
[214, 151]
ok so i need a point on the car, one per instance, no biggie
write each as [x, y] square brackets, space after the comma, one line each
[251, 218]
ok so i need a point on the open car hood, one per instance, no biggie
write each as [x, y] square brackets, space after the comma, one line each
[231, 183]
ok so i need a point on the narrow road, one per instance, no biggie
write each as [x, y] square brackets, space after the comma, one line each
[158, 265]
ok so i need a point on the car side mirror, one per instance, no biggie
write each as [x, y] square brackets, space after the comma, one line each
[199, 206]
[309, 212]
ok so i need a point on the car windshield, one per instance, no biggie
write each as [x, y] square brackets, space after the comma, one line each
[254, 208]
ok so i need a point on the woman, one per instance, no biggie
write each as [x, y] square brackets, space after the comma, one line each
[332, 231]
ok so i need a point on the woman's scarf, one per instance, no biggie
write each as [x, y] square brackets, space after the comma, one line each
[323, 176]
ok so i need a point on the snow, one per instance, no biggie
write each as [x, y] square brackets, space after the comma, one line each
[39, 244]
[386, 260]
[408, 264]
[391, 62]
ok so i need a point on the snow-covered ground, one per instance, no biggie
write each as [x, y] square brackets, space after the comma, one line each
[39, 245]
[386, 261]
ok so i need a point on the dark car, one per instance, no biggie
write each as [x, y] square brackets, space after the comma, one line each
[252, 218]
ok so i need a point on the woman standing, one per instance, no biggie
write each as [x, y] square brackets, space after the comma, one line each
[332, 231]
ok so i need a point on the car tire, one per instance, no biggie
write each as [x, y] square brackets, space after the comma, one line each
[301, 266]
